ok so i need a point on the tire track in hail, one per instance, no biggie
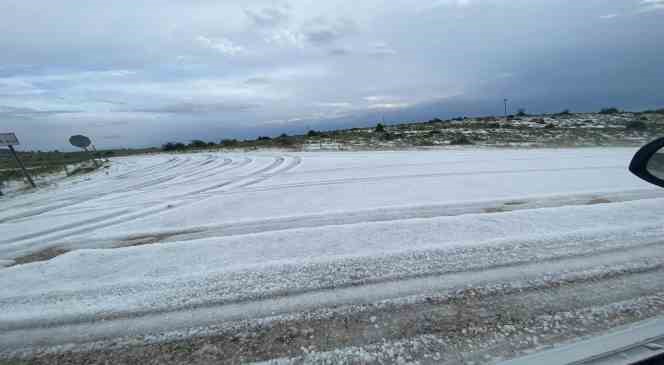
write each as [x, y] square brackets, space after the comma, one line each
[103, 217]
[373, 179]
[72, 200]
[277, 161]
[155, 209]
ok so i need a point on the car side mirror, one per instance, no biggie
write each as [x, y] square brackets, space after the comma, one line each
[648, 162]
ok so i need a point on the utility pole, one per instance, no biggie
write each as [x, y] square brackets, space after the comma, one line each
[505, 101]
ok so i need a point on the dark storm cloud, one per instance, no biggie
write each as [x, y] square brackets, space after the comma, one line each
[268, 17]
[196, 108]
[322, 31]
[339, 52]
[211, 69]
[24, 112]
[257, 81]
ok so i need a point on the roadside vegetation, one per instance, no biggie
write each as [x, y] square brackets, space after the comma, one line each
[41, 164]
[607, 127]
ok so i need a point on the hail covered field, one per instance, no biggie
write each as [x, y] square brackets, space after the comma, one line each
[165, 247]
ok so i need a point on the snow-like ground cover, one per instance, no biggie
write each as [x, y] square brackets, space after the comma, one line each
[166, 242]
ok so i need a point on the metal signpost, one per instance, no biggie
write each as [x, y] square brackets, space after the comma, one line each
[83, 142]
[10, 140]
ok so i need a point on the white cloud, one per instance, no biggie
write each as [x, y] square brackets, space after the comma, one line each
[286, 37]
[221, 45]
[389, 105]
[268, 17]
[652, 5]
[381, 49]
[376, 98]
[608, 16]
[334, 104]
[440, 3]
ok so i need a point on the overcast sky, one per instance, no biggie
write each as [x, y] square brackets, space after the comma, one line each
[142, 72]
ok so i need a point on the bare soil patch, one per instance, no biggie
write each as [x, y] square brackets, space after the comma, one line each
[43, 255]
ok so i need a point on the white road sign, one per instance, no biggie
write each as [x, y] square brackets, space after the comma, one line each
[8, 139]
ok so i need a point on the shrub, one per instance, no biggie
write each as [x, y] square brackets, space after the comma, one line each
[609, 111]
[312, 133]
[169, 146]
[197, 143]
[380, 128]
[636, 125]
[521, 113]
[461, 140]
[229, 142]
[387, 136]
[436, 120]
[285, 141]
[549, 126]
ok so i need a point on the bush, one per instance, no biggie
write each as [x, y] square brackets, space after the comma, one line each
[312, 133]
[636, 125]
[549, 126]
[197, 143]
[436, 120]
[387, 136]
[461, 140]
[521, 113]
[380, 128]
[229, 142]
[285, 141]
[263, 138]
[172, 146]
[609, 111]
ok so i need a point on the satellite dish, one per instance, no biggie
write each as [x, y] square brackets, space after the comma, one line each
[80, 141]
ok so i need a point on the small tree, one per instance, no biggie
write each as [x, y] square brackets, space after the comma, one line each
[228, 142]
[168, 146]
[521, 112]
[312, 133]
[380, 128]
[609, 111]
[197, 143]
